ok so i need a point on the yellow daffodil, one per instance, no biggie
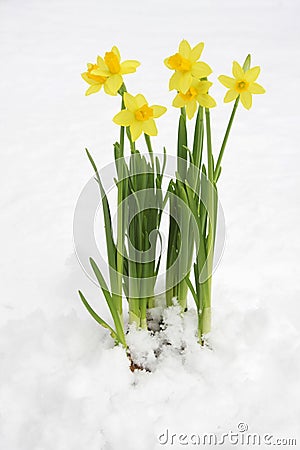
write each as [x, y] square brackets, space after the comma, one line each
[95, 81]
[139, 116]
[198, 92]
[243, 84]
[111, 68]
[186, 65]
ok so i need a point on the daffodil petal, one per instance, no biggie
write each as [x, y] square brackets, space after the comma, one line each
[116, 51]
[256, 88]
[108, 91]
[86, 78]
[129, 66]
[201, 70]
[166, 62]
[101, 72]
[246, 99]
[158, 110]
[175, 81]
[227, 81]
[203, 87]
[114, 83]
[206, 101]
[124, 118]
[130, 102]
[230, 95]
[191, 108]
[197, 51]
[140, 100]
[185, 49]
[149, 127]
[136, 130]
[93, 89]
[101, 64]
[252, 74]
[178, 101]
[185, 82]
[237, 71]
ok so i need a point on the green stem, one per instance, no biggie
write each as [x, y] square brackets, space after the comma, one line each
[210, 162]
[149, 146]
[120, 241]
[122, 130]
[218, 165]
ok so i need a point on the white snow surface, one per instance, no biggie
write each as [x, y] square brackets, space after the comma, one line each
[62, 383]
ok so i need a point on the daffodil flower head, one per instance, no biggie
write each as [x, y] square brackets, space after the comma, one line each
[112, 69]
[95, 81]
[197, 93]
[186, 65]
[139, 116]
[243, 84]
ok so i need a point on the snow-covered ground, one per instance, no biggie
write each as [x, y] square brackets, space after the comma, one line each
[62, 384]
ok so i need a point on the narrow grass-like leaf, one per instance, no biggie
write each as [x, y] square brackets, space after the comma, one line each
[110, 302]
[97, 317]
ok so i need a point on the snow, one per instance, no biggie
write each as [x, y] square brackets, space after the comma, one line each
[62, 384]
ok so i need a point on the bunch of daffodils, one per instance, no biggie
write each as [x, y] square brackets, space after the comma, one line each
[141, 199]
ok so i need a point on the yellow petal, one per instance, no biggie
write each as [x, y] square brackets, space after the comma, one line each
[203, 87]
[206, 101]
[256, 88]
[185, 82]
[227, 81]
[230, 95]
[252, 74]
[114, 83]
[130, 102]
[201, 70]
[129, 66]
[246, 99]
[158, 110]
[174, 82]
[115, 50]
[107, 91]
[237, 71]
[101, 64]
[185, 49]
[86, 78]
[191, 108]
[178, 101]
[166, 62]
[93, 89]
[124, 118]
[197, 51]
[136, 130]
[140, 100]
[101, 72]
[149, 127]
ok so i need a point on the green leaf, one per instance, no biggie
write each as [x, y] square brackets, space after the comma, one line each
[181, 148]
[110, 244]
[96, 317]
[110, 302]
[193, 292]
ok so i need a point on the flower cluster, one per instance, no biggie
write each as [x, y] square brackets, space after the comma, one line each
[189, 80]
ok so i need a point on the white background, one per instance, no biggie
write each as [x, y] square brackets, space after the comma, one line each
[62, 386]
